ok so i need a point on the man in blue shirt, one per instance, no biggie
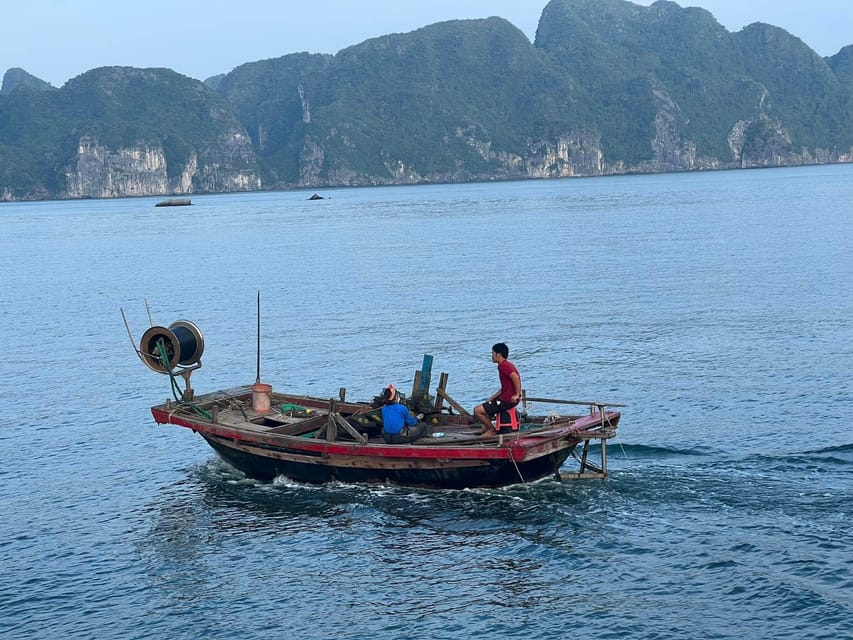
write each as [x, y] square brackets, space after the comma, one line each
[398, 425]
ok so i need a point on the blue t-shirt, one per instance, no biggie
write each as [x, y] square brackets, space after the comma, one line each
[394, 416]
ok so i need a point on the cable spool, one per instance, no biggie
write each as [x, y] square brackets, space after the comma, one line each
[183, 341]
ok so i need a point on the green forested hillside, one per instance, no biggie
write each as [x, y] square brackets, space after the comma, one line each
[606, 87]
[119, 108]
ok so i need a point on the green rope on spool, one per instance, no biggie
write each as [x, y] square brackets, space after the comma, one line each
[177, 393]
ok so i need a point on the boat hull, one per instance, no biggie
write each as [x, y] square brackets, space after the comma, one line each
[436, 473]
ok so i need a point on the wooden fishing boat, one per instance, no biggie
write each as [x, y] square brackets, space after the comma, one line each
[266, 434]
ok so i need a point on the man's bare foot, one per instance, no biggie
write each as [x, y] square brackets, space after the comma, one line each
[488, 433]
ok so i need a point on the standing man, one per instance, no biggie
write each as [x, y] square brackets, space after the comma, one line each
[504, 398]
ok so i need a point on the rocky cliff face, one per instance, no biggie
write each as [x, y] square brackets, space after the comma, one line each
[766, 143]
[574, 154]
[99, 172]
[578, 154]
[229, 164]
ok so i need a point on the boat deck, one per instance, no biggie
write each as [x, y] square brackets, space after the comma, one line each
[309, 417]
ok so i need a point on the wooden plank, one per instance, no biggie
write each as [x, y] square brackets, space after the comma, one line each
[443, 394]
[303, 425]
[320, 434]
[584, 456]
[349, 428]
[595, 468]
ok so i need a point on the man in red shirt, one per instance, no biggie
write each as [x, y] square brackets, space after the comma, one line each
[504, 398]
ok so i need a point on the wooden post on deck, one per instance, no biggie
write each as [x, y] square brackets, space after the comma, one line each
[416, 384]
[420, 386]
[331, 424]
[442, 385]
[426, 375]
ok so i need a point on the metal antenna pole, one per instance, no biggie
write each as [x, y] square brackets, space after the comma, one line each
[258, 377]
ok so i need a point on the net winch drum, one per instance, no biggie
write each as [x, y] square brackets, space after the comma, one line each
[183, 342]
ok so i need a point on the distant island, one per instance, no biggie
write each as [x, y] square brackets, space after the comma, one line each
[607, 87]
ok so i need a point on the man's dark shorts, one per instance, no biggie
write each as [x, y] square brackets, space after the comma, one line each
[494, 407]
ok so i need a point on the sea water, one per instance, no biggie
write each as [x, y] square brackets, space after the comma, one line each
[718, 307]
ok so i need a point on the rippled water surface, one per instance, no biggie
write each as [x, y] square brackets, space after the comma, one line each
[718, 307]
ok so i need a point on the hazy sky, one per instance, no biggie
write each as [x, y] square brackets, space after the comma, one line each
[56, 40]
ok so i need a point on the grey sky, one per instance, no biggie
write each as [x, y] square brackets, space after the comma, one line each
[56, 40]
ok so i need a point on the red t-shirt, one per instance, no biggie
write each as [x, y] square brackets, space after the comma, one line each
[505, 371]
